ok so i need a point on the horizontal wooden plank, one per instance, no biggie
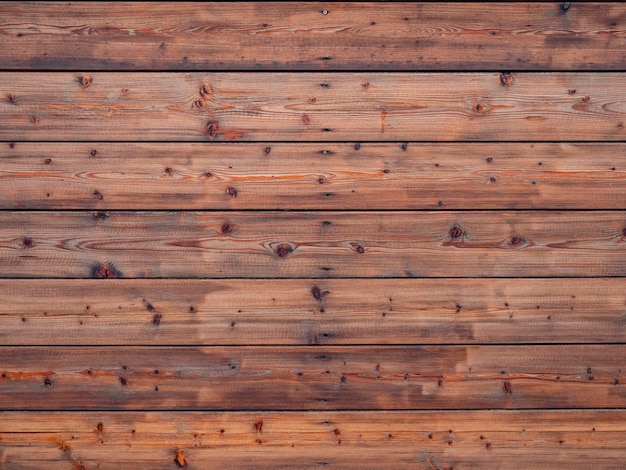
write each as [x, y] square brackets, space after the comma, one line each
[437, 439]
[311, 244]
[299, 176]
[312, 106]
[312, 377]
[313, 36]
[300, 312]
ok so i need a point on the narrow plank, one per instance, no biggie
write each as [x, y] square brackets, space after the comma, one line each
[312, 106]
[299, 36]
[316, 311]
[433, 439]
[312, 377]
[311, 244]
[299, 176]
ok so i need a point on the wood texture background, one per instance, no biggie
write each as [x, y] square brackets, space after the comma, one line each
[304, 235]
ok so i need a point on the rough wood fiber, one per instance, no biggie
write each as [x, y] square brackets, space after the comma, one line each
[312, 378]
[300, 176]
[159, 106]
[406, 221]
[312, 311]
[427, 439]
[313, 36]
[312, 244]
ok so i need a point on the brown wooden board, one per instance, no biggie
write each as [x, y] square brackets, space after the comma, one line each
[311, 244]
[312, 311]
[312, 377]
[46, 175]
[281, 235]
[212, 106]
[313, 36]
[576, 439]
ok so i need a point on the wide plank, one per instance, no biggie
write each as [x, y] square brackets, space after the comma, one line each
[312, 377]
[407, 439]
[159, 106]
[142, 176]
[313, 36]
[315, 311]
[271, 244]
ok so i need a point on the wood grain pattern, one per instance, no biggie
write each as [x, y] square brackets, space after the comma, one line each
[312, 378]
[299, 176]
[312, 106]
[428, 439]
[312, 244]
[312, 311]
[299, 36]
[278, 235]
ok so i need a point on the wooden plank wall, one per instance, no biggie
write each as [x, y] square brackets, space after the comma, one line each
[304, 235]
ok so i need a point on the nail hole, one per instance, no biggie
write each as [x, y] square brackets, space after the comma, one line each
[283, 250]
[226, 228]
[205, 90]
[84, 80]
[506, 78]
[456, 232]
[105, 271]
[212, 128]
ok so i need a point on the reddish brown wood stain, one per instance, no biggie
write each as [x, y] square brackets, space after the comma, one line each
[293, 235]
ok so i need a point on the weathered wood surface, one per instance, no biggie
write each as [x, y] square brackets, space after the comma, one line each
[300, 36]
[158, 106]
[349, 235]
[315, 311]
[299, 176]
[312, 244]
[430, 439]
[312, 378]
